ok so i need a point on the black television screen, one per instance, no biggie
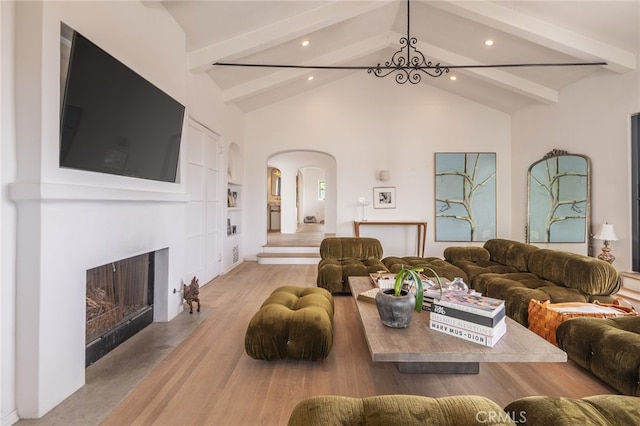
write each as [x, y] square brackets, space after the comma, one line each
[114, 121]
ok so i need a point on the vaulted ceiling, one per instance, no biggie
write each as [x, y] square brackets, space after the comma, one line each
[365, 33]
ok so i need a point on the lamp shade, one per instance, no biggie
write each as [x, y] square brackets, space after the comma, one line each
[607, 233]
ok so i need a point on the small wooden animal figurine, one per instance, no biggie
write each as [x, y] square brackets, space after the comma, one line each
[191, 293]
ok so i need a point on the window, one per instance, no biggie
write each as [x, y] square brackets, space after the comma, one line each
[321, 189]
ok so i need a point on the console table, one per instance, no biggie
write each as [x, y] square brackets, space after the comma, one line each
[421, 227]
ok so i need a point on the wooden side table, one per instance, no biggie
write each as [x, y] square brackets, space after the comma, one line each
[421, 228]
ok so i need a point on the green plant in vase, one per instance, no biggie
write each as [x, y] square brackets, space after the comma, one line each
[395, 306]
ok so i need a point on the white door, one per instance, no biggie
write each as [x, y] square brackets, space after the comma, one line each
[203, 246]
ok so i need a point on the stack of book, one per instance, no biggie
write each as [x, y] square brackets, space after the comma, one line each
[475, 318]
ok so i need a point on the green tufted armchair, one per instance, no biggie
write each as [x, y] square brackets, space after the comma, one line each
[342, 257]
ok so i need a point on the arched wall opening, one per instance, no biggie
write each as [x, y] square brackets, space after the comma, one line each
[294, 198]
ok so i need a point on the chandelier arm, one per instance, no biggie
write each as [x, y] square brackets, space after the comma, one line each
[312, 67]
[550, 64]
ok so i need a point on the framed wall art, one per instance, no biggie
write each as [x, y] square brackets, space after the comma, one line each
[384, 197]
[465, 196]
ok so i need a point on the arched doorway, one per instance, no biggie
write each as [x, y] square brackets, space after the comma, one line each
[304, 177]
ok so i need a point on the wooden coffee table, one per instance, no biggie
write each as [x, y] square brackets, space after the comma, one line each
[418, 349]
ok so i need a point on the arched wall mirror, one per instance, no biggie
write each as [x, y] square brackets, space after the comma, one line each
[276, 174]
[559, 199]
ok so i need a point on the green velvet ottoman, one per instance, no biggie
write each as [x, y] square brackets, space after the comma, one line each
[293, 323]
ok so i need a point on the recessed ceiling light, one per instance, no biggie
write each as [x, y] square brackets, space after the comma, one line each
[453, 78]
[310, 78]
[305, 43]
[488, 42]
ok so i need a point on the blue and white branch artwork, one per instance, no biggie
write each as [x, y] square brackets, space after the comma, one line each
[465, 196]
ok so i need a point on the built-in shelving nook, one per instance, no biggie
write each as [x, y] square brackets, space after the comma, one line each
[233, 252]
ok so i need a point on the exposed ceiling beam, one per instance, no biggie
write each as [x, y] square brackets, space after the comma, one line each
[279, 32]
[495, 76]
[273, 80]
[541, 32]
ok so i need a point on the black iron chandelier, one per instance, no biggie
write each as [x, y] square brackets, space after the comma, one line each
[408, 63]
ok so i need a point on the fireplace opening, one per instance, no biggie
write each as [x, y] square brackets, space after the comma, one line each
[119, 303]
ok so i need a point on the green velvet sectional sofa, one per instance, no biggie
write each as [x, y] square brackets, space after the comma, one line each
[517, 272]
[608, 348]
[410, 410]
[342, 257]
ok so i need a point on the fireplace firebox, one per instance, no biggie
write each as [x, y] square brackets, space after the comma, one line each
[119, 303]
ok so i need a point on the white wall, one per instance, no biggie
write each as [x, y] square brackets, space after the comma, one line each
[369, 124]
[311, 205]
[68, 220]
[592, 118]
[7, 216]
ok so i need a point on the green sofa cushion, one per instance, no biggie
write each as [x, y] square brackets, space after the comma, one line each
[587, 274]
[405, 410]
[344, 257]
[598, 410]
[510, 253]
[342, 248]
[471, 254]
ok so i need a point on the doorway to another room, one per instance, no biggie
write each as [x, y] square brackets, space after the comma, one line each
[310, 195]
[301, 203]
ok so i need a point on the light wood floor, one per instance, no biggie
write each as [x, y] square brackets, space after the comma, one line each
[209, 380]
[307, 235]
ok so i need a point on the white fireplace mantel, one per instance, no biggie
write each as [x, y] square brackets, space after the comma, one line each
[64, 230]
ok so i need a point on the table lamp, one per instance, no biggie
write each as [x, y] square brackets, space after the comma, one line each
[607, 234]
[363, 202]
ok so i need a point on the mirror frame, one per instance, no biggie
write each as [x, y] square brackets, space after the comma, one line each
[276, 176]
[578, 207]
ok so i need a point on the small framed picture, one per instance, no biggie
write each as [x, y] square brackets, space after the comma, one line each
[384, 198]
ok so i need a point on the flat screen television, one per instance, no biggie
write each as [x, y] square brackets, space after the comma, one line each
[114, 121]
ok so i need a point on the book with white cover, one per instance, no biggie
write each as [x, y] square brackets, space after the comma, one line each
[467, 325]
[470, 336]
[467, 316]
